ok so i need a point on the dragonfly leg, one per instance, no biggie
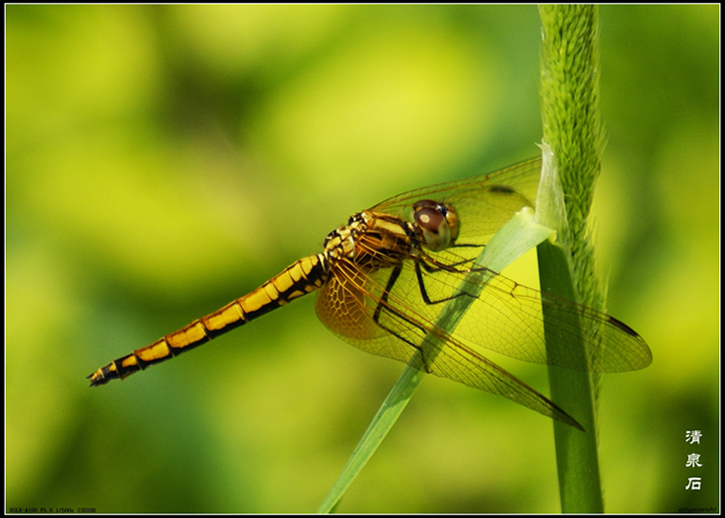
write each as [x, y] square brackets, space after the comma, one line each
[383, 304]
[431, 269]
[433, 265]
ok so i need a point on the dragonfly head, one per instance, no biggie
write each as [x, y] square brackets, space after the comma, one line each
[437, 223]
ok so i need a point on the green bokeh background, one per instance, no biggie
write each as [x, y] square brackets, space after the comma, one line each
[162, 161]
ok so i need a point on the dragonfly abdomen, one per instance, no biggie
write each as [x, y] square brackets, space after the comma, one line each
[301, 277]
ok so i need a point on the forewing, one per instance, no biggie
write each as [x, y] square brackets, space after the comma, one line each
[395, 321]
[507, 318]
[347, 304]
[483, 203]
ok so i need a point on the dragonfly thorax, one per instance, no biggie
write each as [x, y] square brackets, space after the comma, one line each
[372, 241]
[341, 241]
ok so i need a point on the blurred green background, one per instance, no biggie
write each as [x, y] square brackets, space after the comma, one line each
[163, 161]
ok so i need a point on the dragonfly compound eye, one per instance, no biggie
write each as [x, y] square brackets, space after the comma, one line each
[438, 223]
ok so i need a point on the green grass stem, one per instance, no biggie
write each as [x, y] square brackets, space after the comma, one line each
[573, 139]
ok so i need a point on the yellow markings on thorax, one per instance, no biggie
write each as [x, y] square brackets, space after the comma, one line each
[392, 228]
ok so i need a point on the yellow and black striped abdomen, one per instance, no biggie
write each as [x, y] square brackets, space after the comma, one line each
[300, 278]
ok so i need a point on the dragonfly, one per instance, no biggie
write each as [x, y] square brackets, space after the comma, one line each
[383, 279]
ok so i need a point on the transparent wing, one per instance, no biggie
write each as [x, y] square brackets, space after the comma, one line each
[484, 203]
[349, 305]
[507, 317]
[396, 323]
[395, 316]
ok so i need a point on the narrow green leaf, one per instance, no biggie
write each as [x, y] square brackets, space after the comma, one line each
[576, 452]
[518, 236]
